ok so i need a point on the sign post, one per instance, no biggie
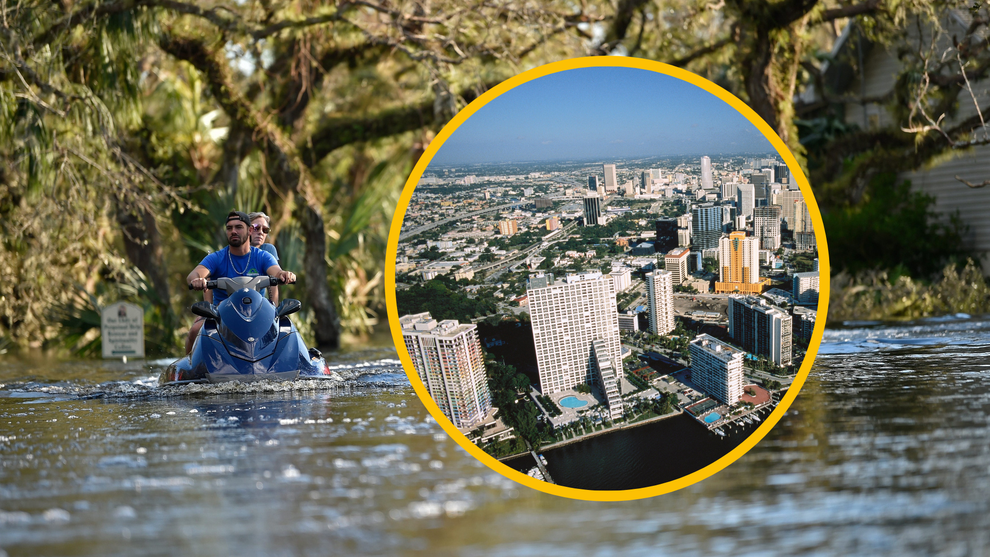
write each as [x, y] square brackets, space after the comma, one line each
[123, 331]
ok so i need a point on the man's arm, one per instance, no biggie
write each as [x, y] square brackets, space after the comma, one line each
[197, 278]
[284, 276]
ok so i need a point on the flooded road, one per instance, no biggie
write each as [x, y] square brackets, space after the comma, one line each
[886, 451]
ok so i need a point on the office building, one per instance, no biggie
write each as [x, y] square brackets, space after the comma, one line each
[447, 357]
[745, 199]
[622, 277]
[666, 235]
[660, 297]
[766, 226]
[760, 328]
[717, 368]
[739, 265]
[629, 321]
[593, 211]
[611, 180]
[729, 190]
[788, 200]
[706, 173]
[553, 223]
[593, 183]
[677, 264]
[706, 226]
[568, 316]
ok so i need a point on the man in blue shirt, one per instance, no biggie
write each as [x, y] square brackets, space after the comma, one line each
[260, 227]
[238, 259]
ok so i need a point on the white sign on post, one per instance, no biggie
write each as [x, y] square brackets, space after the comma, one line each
[123, 331]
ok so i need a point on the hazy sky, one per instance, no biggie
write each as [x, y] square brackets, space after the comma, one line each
[601, 113]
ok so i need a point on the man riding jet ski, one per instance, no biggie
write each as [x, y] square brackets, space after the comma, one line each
[243, 337]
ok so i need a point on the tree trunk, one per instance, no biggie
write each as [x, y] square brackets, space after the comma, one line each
[327, 330]
[143, 245]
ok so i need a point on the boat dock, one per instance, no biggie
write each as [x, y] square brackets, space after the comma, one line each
[543, 469]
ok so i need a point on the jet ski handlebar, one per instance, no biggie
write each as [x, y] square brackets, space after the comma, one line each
[233, 284]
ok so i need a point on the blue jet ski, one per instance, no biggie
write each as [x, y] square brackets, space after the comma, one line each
[246, 338]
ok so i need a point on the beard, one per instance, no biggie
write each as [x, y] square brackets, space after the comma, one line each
[235, 242]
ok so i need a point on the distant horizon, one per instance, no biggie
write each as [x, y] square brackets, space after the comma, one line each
[610, 160]
[601, 114]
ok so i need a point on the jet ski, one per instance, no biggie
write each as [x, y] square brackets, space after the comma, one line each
[246, 338]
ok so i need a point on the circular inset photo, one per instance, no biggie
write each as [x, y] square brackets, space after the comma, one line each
[603, 278]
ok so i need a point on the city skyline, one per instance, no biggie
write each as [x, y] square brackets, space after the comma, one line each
[603, 112]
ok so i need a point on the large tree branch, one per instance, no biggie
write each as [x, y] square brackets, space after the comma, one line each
[868, 7]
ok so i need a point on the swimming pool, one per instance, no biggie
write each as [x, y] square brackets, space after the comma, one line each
[572, 402]
[712, 418]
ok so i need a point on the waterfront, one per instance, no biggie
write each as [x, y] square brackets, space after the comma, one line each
[635, 457]
[884, 452]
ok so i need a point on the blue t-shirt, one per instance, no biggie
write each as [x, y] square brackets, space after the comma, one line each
[255, 263]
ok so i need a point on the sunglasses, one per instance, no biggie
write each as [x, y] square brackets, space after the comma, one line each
[264, 229]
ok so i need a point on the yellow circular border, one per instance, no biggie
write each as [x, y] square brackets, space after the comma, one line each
[755, 436]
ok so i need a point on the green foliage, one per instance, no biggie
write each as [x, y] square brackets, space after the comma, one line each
[442, 301]
[879, 295]
[894, 229]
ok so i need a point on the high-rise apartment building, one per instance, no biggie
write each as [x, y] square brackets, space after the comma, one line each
[745, 199]
[508, 227]
[448, 358]
[677, 264]
[739, 265]
[806, 287]
[717, 368]
[660, 297]
[592, 210]
[568, 316]
[761, 329]
[611, 179]
[706, 173]
[706, 226]
[607, 373]
[766, 226]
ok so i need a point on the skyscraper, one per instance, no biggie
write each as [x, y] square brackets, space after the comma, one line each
[729, 190]
[592, 210]
[706, 226]
[611, 180]
[761, 329]
[788, 204]
[448, 358]
[745, 199]
[568, 317]
[706, 173]
[666, 235]
[766, 226]
[739, 265]
[717, 368]
[660, 297]
[593, 183]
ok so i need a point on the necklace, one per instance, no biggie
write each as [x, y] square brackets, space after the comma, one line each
[246, 265]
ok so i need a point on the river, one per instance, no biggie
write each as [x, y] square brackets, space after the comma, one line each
[885, 452]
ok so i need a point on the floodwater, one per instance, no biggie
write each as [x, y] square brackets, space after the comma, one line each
[885, 452]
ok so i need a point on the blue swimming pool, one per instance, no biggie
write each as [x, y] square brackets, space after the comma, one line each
[712, 418]
[572, 402]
